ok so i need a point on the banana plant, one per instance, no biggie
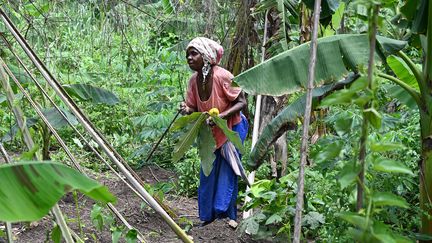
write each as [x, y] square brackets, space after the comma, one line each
[417, 85]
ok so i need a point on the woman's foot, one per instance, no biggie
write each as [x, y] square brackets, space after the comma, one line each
[204, 223]
[232, 223]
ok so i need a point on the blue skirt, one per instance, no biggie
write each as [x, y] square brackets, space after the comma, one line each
[217, 193]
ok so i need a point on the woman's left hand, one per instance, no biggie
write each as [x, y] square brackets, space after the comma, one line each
[210, 122]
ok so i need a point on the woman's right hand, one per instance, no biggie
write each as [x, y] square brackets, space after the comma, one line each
[184, 109]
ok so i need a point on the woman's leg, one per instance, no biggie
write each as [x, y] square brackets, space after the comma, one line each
[206, 192]
[227, 185]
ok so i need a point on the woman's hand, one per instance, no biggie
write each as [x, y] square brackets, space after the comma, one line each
[184, 109]
[210, 122]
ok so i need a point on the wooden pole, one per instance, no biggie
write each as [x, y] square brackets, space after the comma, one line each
[306, 121]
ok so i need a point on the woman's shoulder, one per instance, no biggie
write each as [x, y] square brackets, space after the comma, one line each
[222, 74]
[192, 79]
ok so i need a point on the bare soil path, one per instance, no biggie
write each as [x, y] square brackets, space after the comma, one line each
[140, 216]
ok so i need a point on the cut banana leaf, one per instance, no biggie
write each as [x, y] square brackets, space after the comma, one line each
[230, 134]
[29, 190]
[206, 146]
[188, 138]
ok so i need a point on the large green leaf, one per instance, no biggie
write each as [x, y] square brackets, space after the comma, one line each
[402, 96]
[281, 122]
[387, 165]
[91, 93]
[188, 138]
[419, 24]
[388, 199]
[57, 120]
[206, 146]
[348, 175]
[230, 134]
[355, 219]
[28, 190]
[336, 57]
[402, 71]
[185, 120]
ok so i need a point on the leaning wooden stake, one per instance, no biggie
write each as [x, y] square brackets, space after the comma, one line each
[251, 177]
[20, 119]
[89, 127]
[305, 137]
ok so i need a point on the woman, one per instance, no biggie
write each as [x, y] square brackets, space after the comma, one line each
[210, 87]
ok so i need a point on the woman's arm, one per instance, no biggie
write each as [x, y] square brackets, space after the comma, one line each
[237, 105]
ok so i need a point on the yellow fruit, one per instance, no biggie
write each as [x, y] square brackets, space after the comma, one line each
[213, 112]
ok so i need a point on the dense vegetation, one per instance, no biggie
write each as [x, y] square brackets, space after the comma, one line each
[132, 51]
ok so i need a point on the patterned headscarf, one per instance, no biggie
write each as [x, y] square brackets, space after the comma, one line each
[210, 50]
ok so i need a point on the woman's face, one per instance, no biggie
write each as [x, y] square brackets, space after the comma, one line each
[194, 59]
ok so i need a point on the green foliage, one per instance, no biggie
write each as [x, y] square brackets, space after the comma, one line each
[30, 189]
[188, 173]
[336, 57]
[103, 219]
[90, 93]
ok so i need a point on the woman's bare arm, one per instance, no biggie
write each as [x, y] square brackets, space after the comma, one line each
[237, 105]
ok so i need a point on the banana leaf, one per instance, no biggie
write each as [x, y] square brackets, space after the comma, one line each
[206, 146]
[404, 74]
[188, 138]
[28, 190]
[185, 120]
[336, 56]
[230, 134]
[85, 92]
[280, 123]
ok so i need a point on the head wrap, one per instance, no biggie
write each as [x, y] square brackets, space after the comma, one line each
[210, 51]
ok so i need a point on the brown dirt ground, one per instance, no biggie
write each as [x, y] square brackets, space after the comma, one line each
[150, 224]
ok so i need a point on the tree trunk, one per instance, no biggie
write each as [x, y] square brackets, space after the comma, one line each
[209, 15]
[281, 153]
[426, 173]
[426, 135]
[243, 37]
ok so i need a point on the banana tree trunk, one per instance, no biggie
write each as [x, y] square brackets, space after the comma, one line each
[426, 171]
[426, 135]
